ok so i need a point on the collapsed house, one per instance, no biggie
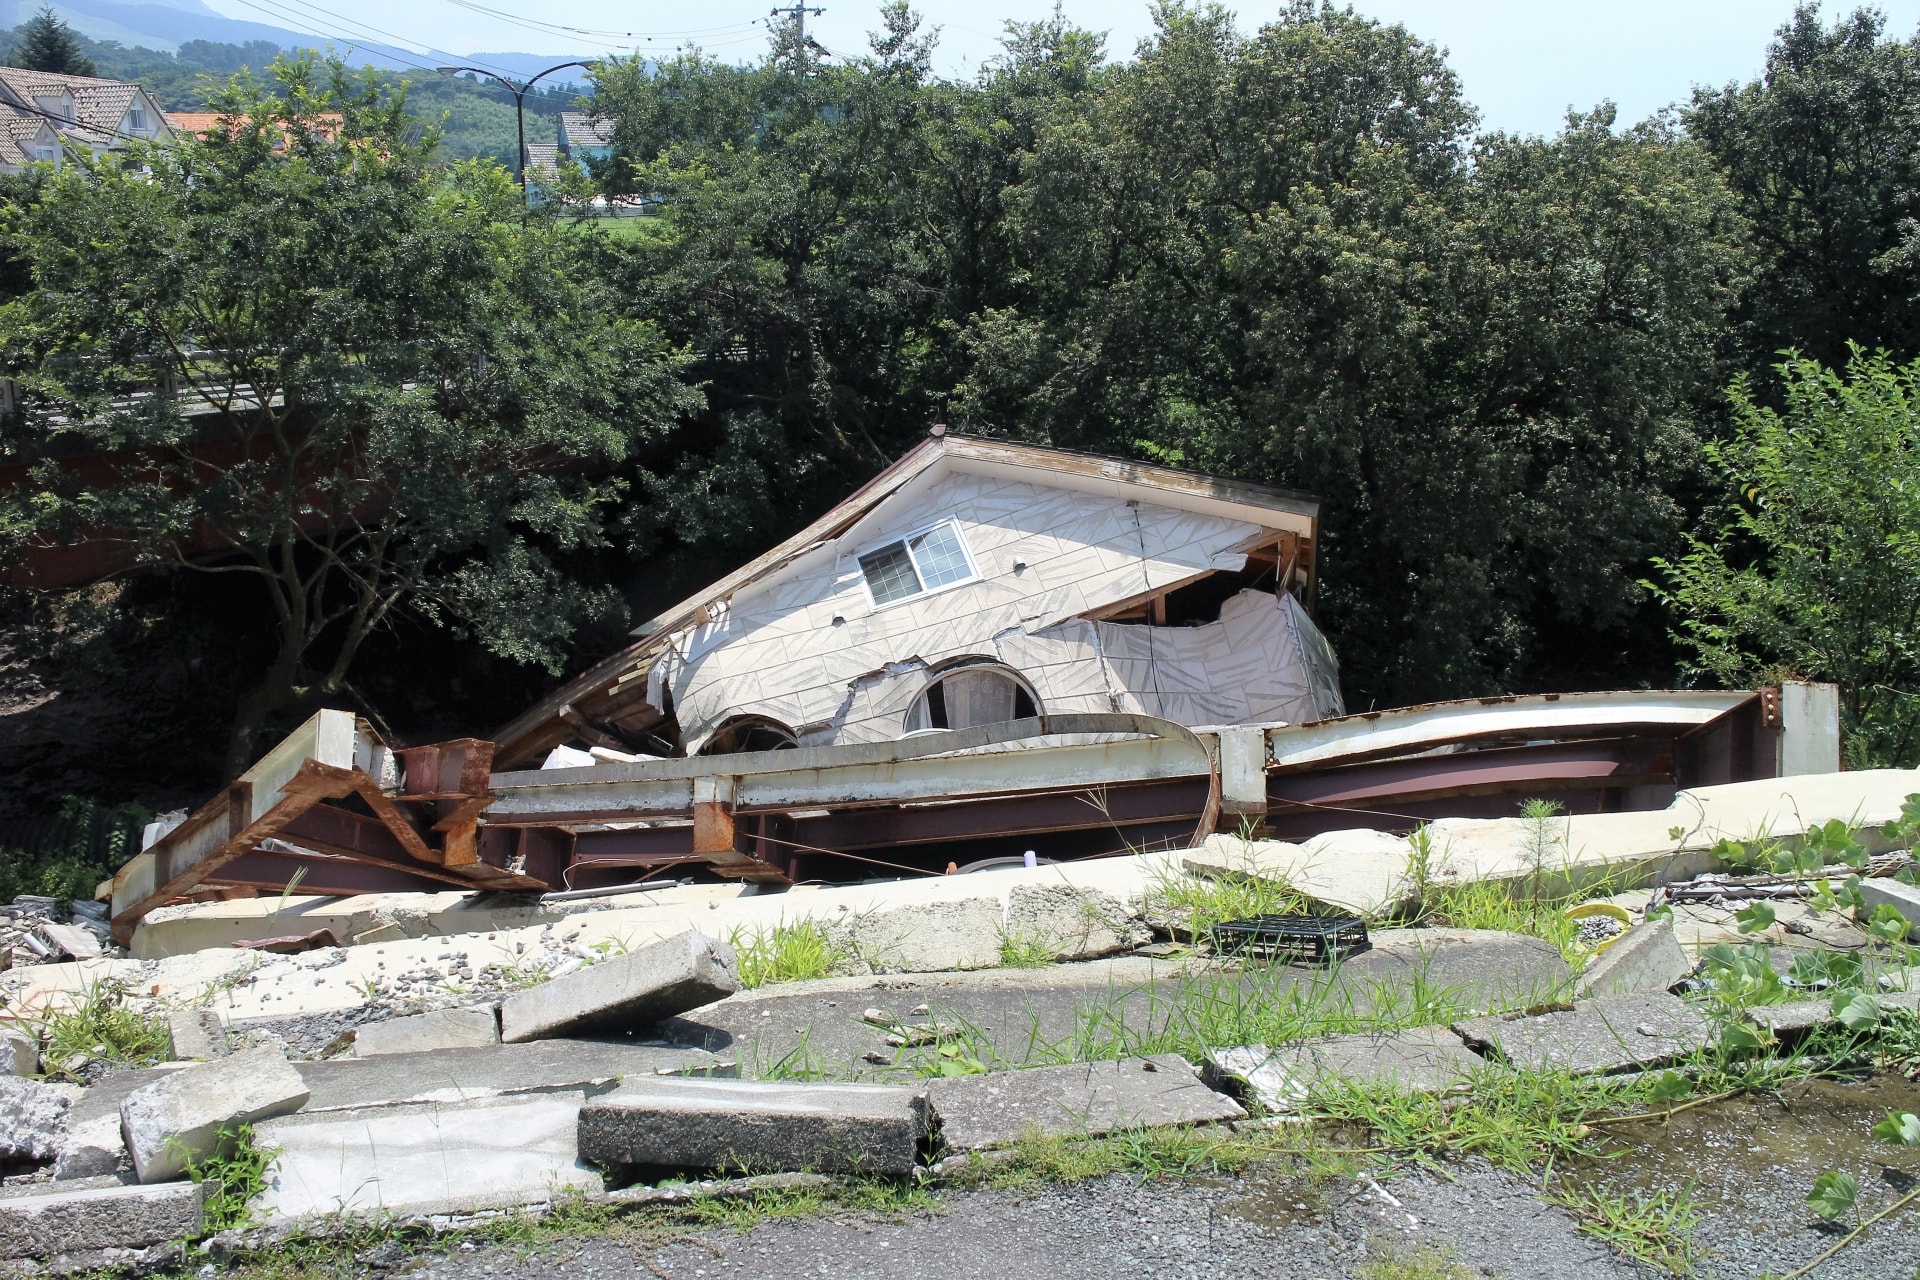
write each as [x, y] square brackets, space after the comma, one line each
[976, 582]
[991, 652]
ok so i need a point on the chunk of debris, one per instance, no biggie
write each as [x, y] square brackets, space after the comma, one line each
[32, 1118]
[1082, 1099]
[196, 1035]
[657, 981]
[93, 1145]
[291, 944]
[19, 1053]
[178, 1118]
[435, 1157]
[57, 1218]
[1417, 1060]
[1610, 1033]
[71, 941]
[1072, 924]
[756, 1124]
[1876, 891]
[1648, 957]
[441, 1029]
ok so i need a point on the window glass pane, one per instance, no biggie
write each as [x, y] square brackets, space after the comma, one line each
[889, 573]
[976, 697]
[940, 557]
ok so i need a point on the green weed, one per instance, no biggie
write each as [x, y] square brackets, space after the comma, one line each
[100, 1026]
[1654, 1226]
[237, 1172]
[785, 953]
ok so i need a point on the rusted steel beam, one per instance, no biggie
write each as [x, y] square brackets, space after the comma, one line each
[273, 870]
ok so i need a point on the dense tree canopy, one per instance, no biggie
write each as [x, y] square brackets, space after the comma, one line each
[310, 357]
[1288, 254]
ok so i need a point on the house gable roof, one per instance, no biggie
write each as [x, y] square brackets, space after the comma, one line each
[1264, 505]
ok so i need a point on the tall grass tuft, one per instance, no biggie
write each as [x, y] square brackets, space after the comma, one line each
[785, 953]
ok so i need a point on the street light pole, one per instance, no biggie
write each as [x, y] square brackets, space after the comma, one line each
[519, 91]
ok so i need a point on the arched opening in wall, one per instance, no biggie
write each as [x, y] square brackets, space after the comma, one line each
[749, 733]
[974, 694]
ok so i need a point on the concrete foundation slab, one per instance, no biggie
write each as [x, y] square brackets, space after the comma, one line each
[925, 938]
[1072, 924]
[1648, 957]
[624, 991]
[1417, 1060]
[486, 1071]
[425, 1158]
[441, 1029]
[57, 1219]
[1078, 1100]
[1611, 1033]
[760, 1126]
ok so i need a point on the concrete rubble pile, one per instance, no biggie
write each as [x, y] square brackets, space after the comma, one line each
[463, 1053]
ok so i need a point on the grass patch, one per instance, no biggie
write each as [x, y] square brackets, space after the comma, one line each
[1654, 1226]
[1428, 1262]
[100, 1027]
[785, 953]
[1191, 905]
[1025, 952]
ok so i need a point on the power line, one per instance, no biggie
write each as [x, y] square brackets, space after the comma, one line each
[535, 24]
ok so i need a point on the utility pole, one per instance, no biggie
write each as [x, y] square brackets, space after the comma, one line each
[798, 11]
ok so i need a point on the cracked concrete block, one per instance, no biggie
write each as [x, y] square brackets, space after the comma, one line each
[1904, 898]
[71, 940]
[1081, 1099]
[1075, 924]
[928, 937]
[19, 1054]
[33, 1117]
[1610, 1033]
[1648, 957]
[93, 1145]
[441, 1029]
[641, 987]
[196, 1035]
[1417, 1060]
[179, 1117]
[434, 1157]
[757, 1125]
[55, 1218]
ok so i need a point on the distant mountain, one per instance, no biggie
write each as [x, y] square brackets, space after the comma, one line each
[168, 24]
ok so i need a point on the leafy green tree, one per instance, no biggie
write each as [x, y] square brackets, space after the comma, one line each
[45, 43]
[1816, 572]
[295, 350]
[1282, 256]
[1820, 153]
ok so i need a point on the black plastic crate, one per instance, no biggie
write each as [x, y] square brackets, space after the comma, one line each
[1313, 939]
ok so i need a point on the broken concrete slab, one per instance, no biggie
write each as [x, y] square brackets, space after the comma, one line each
[624, 991]
[19, 1054]
[1071, 923]
[1082, 1099]
[180, 1117]
[55, 1218]
[425, 1158]
[93, 1145]
[1876, 891]
[485, 1071]
[756, 1125]
[931, 937]
[1647, 957]
[196, 1035]
[1610, 1033]
[1416, 1060]
[71, 941]
[1360, 870]
[32, 1118]
[1797, 1017]
[441, 1029]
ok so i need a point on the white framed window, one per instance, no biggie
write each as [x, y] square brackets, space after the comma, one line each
[46, 153]
[923, 561]
[136, 119]
[974, 694]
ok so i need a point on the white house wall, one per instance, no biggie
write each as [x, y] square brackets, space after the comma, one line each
[806, 647]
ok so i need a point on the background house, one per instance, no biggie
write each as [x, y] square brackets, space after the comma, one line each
[46, 117]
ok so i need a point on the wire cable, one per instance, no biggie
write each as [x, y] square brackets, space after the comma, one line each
[535, 24]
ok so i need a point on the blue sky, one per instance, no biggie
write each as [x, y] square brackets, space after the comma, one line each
[1523, 62]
